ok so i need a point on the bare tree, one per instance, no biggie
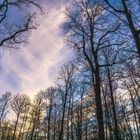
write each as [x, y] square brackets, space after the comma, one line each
[89, 34]
[38, 108]
[49, 96]
[19, 104]
[65, 79]
[4, 104]
[24, 118]
[132, 18]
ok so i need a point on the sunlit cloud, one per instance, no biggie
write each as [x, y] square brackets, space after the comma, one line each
[35, 66]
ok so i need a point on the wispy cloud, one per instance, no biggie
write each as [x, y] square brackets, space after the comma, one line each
[35, 66]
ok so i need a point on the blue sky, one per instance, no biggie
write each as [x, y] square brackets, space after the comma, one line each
[35, 66]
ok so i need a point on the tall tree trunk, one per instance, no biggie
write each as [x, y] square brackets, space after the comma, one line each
[20, 134]
[32, 132]
[24, 125]
[135, 33]
[107, 116]
[15, 128]
[28, 130]
[99, 112]
[117, 135]
[135, 114]
[49, 120]
[63, 116]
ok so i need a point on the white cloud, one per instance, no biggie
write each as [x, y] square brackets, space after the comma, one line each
[35, 66]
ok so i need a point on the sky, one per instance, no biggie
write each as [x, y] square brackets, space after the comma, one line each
[35, 66]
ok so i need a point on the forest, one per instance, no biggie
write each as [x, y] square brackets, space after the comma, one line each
[96, 95]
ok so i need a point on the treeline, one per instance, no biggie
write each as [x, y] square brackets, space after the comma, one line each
[97, 94]
[68, 111]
